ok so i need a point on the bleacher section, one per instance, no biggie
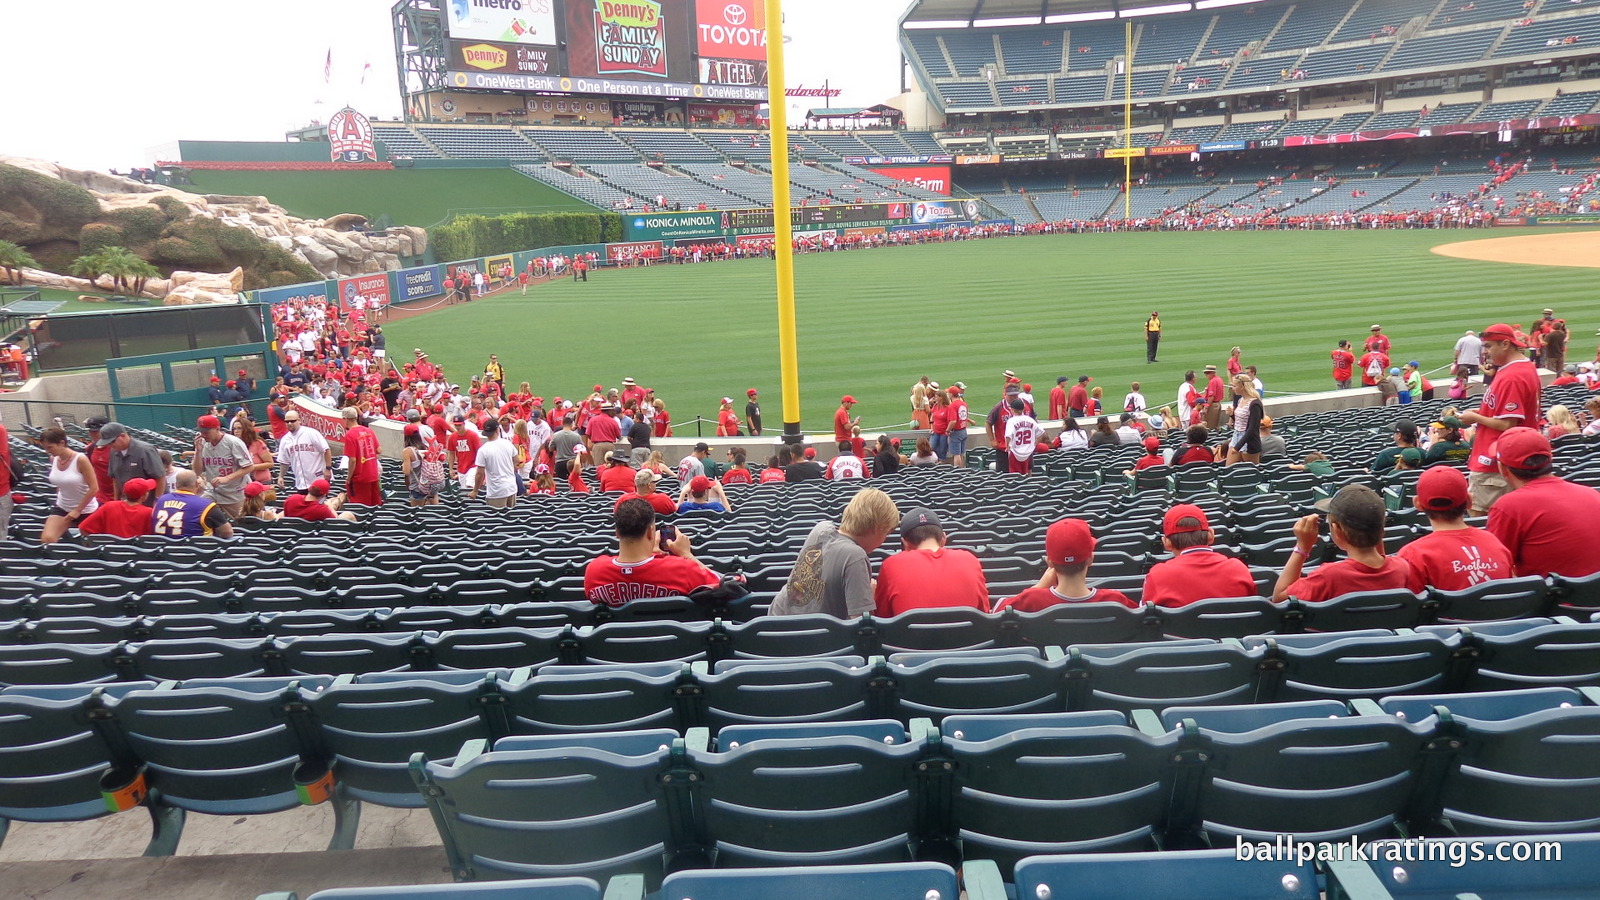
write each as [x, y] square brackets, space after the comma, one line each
[1033, 51]
[400, 141]
[651, 183]
[581, 145]
[1371, 17]
[1313, 40]
[744, 182]
[580, 185]
[670, 145]
[298, 663]
[480, 142]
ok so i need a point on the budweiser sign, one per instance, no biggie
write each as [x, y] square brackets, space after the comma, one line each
[803, 91]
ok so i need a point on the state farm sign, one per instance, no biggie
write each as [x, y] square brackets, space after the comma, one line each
[929, 178]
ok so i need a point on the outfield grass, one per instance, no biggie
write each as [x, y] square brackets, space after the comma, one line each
[421, 197]
[871, 322]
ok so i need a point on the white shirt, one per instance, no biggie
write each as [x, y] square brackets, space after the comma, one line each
[1469, 350]
[1186, 397]
[1134, 402]
[1022, 436]
[841, 467]
[498, 459]
[302, 452]
[1074, 440]
[689, 467]
[1129, 435]
[538, 432]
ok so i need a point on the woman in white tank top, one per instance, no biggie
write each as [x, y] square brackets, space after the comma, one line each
[75, 484]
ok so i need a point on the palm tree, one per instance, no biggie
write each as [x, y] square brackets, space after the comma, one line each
[13, 259]
[91, 265]
[128, 272]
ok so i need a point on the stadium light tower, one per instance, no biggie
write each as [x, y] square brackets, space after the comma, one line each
[783, 227]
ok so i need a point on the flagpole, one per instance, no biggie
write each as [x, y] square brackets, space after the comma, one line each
[782, 224]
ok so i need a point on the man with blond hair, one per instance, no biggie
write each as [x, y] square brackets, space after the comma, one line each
[833, 574]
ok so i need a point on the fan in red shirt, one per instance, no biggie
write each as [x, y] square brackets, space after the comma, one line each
[361, 447]
[1195, 451]
[1078, 398]
[1152, 456]
[727, 419]
[1373, 364]
[1378, 341]
[927, 574]
[644, 566]
[841, 419]
[1453, 556]
[1344, 363]
[124, 518]
[1058, 399]
[617, 476]
[1550, 526]
[1356, 517]
[315, 505]
[1195, 571]
[1512, 400]
[644, 488]
[1069, 551]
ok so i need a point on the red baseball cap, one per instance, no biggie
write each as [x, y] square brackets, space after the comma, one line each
[751, 392]
[205, 422]
[699, 484]
[847, 399]
[135, 488]
[412, 429]
[241, 373]
[1152, 443]
[1441, 488]
[811, 453]
[320, 486]
[1503, 332]
[215, 380]
[1068, 541]
[255, 489]
[1523, 448]
[1170, 526]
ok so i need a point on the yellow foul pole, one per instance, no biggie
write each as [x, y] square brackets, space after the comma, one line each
[1127, 118]
[782, 223]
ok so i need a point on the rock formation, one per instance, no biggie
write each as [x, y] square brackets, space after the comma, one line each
[208, 247]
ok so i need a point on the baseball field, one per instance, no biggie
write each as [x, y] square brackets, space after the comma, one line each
[871, 322]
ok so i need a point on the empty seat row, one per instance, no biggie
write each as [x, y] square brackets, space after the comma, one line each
[232, 745]
[1395, 872]
[1008, 787]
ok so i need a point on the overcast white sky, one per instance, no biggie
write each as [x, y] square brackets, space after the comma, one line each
[102, 83]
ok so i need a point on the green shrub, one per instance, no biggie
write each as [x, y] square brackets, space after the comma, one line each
[140, 224]
[59, 208]
[98, 235]
[465, 237]
[171, 207]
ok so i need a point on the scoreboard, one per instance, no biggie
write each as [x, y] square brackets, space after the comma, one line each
[810, 218]
[668, 49]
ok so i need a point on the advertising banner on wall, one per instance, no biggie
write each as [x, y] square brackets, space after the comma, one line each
[978, 159]
[371, 290]
[629, 39]
[929, 178]
[674, 226]
[634, 250]
[731, 41]
[510, 21]
[311, 290]
[494, 57]
[419, 283]
[930, 213]
[326, 422]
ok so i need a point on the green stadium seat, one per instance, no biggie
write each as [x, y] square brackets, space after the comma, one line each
[957, 685]
[920, 880]
[1153, 676]
[1533, 774]
[1442, 877]
[1493, 706]
[1556, 655]
[229, 748]
[1343, 667]
[1507, 598]
[819, 690]
[825, 800]
[580, 700]
[1194, 875]
[519, 889]
[1263, 783]
[549, 807]
[1076, 789]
